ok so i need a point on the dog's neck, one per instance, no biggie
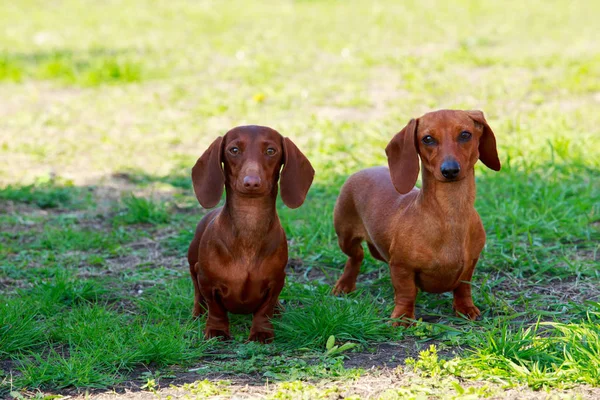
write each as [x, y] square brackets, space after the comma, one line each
[250, 216]
[452, 199]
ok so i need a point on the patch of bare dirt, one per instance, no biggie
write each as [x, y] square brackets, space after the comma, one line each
[299, 272]
[132, 388]
[326, 274]
[392, 354]
[152, 257]
[10, 285]
[383, 87]
[553, 292]
[589, 254]
[35, 97]
[14, 208]
[570, 290]
[110, 189]
[6, 366]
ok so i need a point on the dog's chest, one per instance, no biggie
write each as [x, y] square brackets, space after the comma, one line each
[440, 260]
[439, 264]
[440, 274]
[237, 266]
[243, 293]
[241, 279]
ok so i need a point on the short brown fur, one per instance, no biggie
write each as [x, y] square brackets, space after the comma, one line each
[239, 252]
[431, 238]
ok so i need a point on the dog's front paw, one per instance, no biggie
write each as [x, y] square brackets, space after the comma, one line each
[343, 287]
[210, 333]
[261, 337]
[403, 318]
[403, 322]
[469, 311]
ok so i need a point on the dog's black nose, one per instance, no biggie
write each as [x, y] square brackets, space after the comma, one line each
[450, 169]
[251, 182]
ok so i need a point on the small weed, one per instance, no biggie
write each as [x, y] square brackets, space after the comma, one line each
[287, 368]
[302, 390]
[326, 368]
[205, 388]
[150, 385]
[428, 362]
[331, 349]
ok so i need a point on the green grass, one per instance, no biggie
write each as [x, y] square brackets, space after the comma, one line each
[46, 194]
[19, 328]
[70, 334]
[140, 210]
[91, 68]
[540, 356]
[64, 239]
[113, 98]
[314, 315]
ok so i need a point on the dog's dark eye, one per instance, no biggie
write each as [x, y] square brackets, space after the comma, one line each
[271, 151]
[234, 150]
[464, 136]
[428, 140]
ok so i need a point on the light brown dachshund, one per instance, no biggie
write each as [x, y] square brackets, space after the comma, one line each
[239, 252]
[431, 238]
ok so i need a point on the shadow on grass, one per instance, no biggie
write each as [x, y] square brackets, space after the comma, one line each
[45, 194]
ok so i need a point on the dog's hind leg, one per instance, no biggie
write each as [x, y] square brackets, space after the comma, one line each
[352, 247]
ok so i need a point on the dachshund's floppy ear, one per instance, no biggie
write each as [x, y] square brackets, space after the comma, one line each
[208, 177]
[297, 175]
[403, 159]
[488, 154]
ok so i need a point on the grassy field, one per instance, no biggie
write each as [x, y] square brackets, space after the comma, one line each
[105, 106]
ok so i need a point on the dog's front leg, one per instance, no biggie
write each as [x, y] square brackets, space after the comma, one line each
[217, 323]
[405, 293]
[262, 328]
[463, 301]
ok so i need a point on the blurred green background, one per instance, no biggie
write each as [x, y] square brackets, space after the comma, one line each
[93, 87]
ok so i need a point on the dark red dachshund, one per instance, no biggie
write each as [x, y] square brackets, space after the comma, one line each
[239, 252]
[431, 238]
